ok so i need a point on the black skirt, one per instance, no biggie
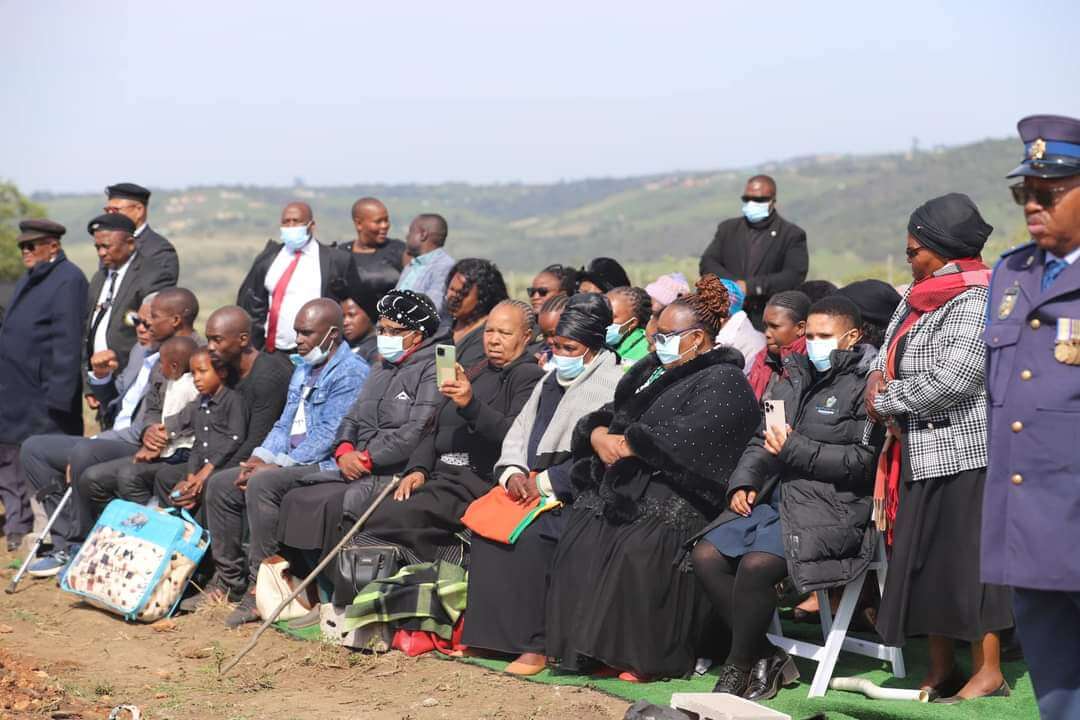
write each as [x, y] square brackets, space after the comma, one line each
[508, 589]
[933, 586]
[622, 595]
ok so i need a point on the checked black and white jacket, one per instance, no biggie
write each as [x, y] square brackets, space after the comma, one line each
[939, 397]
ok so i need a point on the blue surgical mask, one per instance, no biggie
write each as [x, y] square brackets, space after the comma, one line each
[668, 350]
[613, 336]
[391, 347]
[819, 351]
[755, 211]
[295, 238]
[315, 356]
[568, 368]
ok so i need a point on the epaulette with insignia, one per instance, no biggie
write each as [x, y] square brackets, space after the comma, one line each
[1018, 248]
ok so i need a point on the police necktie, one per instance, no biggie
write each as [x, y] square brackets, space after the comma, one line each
[1051, 270]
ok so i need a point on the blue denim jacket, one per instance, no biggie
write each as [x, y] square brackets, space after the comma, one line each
[332, 396]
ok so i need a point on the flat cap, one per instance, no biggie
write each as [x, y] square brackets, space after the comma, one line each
[40, 230]
[111, 221]
[1051, 146]
[128, 191]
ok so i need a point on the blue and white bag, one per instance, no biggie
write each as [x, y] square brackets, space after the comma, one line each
[137, 560]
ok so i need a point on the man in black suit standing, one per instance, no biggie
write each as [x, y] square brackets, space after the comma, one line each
[133, 201]
[117, 289]
[761, 251]
[287, 274]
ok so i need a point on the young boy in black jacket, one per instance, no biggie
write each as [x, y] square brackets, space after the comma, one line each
[219, 422]
[799, 500]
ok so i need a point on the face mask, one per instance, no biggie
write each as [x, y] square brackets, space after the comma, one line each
[755, 211]
[316, 356]
[391, 347]
[568, 368]
[668, 351]
[613, 336]
[295, 238]
[819, 350]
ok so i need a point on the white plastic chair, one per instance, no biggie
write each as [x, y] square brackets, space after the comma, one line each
[834, 630]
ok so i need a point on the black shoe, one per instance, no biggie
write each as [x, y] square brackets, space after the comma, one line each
[948, 687]
[769, 674]
[1003, 691]
[14, 542]
[732, 680]
[245, 613]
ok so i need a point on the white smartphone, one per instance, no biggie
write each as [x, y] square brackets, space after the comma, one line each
[774, 414]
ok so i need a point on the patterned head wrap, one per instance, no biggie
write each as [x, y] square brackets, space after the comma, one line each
[411, 309]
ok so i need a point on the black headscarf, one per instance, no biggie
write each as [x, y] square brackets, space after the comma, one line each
[605, 273]
[876, 300]
[411, 309]
[585, 319]
[951, 226]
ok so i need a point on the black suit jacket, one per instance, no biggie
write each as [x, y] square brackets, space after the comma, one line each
[142, 278]
[160, 252]
[336, 268]
[770, 257]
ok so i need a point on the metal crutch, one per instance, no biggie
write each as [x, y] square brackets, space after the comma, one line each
[37, 544]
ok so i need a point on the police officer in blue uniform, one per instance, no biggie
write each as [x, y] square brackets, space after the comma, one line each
[1031, 513]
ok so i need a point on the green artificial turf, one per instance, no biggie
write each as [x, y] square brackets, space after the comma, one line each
[836, 705]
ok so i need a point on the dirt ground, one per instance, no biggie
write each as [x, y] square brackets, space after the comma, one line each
[60, 658]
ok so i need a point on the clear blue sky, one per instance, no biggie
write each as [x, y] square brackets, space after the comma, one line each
[173, 94]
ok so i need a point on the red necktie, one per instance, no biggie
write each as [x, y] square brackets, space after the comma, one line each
[275, 303]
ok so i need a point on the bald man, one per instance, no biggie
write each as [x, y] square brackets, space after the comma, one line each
[287, 274]
[321, 390]
[429, 271]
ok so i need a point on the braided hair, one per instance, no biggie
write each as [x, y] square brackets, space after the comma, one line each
[795, 303]
[526, 310]
[640, 302]
[485, 276]
[710, 303]
[566, 275]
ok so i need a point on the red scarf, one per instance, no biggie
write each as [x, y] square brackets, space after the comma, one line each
[926, 295]
[761, 372]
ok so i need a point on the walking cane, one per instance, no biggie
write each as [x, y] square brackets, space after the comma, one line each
[311, 576]
[37, 544]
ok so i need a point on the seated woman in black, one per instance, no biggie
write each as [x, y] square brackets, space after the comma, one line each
[507, 583]
[474, 288]
[652, 472]
[452, 466]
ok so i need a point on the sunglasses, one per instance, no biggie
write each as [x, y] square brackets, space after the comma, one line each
[538, 291]
[912, 252]
[27, 245]
[756, 198]
[661, 338]
[1043, 197]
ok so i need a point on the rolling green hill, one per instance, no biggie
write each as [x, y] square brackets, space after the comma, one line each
[854, 209]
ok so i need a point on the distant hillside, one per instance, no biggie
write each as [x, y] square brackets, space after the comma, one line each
[854, 209]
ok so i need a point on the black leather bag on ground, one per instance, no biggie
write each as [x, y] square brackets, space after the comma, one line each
[358, 565]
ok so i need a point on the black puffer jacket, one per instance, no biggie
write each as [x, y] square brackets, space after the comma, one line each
[826, 470]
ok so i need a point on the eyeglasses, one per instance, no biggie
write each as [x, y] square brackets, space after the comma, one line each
[757, 198]
[391, 332]
[912, 252]
[114, 209]
[661, 338]
[538, 291]
[1043, 197]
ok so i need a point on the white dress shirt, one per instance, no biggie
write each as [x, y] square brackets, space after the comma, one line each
[305, 285]
[134, 394]
[100, 335]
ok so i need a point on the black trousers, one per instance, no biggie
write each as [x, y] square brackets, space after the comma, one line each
[44, 459]
[227, 507]
[1049, 627]
[18, 518]
[120, 478]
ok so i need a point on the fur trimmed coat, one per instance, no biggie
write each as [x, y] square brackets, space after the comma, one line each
[687, 428]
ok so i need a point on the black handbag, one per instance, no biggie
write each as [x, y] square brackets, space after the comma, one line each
[358, 565]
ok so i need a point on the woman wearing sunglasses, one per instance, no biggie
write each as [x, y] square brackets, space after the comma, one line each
[650, 474]
[552, 281]
[928, 388]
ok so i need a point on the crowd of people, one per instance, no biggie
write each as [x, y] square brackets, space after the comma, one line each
[667, 519]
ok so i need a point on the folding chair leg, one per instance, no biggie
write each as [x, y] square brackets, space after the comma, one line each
[881, 569]
[825, 612]
[834, 642]
[774, 625]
